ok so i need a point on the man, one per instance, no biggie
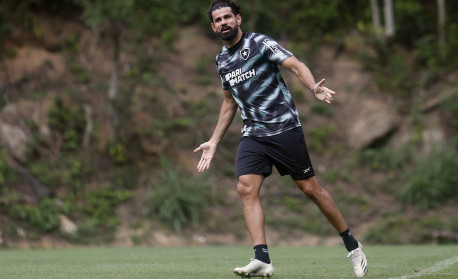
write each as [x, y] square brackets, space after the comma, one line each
[271, 134]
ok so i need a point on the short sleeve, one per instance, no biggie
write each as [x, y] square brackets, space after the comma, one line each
[272, 49]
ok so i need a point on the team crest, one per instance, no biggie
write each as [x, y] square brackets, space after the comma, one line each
[245, 53]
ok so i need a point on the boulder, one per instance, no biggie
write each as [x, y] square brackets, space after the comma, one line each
[66, 225]
[374, 120]
[15, 140]
[14, 133]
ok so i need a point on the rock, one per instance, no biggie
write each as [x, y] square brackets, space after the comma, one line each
[21, 232]
[14, 133]
[66, 225]
[15, 140]
[375, 120]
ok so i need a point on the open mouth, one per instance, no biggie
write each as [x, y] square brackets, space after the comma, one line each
[225, 30]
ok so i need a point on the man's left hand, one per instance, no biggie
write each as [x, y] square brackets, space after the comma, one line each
[323, 93]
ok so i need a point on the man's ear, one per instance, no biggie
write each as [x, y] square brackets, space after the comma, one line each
[213, 27]
[239, 20]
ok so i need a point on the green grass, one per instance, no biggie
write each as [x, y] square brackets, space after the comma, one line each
[217, 262]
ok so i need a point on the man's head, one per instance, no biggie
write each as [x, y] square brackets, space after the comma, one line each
[225, 17]
[218, 4]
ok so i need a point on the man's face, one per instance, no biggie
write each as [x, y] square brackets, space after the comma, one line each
[225, 23]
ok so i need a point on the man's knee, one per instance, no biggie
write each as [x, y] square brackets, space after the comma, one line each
[310, 186]
[247, 186]
[244, 189]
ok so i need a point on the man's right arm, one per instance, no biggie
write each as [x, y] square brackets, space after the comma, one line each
[226, 116]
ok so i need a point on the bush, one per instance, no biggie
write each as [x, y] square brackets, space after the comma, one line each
[433, 181]
[388, 231]
[322, 109]
[7, 175]
[450, 104]
[396, 229]
[385, 159]
[100, 206]
[318, 137]
[177, 199]
[67, 122]
[71, 171]
[42, 217]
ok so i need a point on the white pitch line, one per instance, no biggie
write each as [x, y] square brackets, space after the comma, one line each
[435, 268]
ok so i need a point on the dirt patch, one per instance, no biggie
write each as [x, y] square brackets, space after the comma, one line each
[29, 60]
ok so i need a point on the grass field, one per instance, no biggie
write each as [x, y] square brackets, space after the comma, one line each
[395, 262]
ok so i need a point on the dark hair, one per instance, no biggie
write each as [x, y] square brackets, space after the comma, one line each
[218, 4]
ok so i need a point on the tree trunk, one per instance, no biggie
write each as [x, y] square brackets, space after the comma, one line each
[389, 19]
[113, 88]
[441, 26]
[89, 127]
[4, 85]
[253, 16]
[376, 20]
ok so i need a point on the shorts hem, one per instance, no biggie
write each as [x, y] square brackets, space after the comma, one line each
[304, 177]
[256, 173]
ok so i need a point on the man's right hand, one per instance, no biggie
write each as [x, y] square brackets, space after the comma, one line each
[209, 150]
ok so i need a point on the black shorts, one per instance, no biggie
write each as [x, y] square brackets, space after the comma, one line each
[286, 151]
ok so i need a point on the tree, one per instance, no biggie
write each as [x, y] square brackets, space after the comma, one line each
[376, 20]
[253, 20]
[134, 20]
[441, 17]
[111, 18]
[388, 18]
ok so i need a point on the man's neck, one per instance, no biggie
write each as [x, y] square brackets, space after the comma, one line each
[234, 41]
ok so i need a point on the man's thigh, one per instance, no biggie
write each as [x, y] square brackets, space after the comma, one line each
[252, 159]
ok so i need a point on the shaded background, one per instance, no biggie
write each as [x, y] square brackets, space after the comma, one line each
[102, 103]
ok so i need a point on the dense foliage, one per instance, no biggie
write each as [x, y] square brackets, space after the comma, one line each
[87, 183]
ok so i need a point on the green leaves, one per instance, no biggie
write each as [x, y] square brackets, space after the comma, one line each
[176, 198]
[104, 13]
[434, 180]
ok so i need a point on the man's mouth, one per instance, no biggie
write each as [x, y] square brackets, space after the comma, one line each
[225, 30]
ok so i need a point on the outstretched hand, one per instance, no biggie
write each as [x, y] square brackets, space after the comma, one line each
[209, 150]
[323, 93]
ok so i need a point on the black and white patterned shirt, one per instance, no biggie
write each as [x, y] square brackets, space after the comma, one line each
[250, 71]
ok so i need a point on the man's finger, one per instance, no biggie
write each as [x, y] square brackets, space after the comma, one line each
[198, 149]
[330, 91]
[320, 83]
[200, 164]
[203, 165]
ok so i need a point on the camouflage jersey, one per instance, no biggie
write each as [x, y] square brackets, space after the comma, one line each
[250, 71]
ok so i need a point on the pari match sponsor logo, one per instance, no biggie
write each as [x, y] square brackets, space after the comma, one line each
[237, 76]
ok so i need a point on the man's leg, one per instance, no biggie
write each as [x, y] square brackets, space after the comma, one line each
[248, 189]
[328, 207]
[324, 201]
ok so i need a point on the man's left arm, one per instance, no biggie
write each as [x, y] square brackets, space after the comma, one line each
[306, 77]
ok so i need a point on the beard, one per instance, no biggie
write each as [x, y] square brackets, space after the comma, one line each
[230, 35]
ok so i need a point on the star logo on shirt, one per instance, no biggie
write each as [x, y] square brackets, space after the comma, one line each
[245, 53]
